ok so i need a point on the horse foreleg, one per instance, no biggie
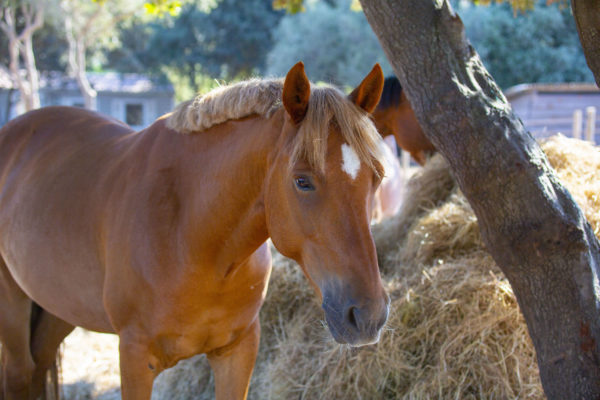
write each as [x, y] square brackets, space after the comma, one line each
[232, 366]
[47, 335]
[138, 368]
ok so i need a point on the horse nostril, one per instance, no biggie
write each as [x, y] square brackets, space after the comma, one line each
[352, 317]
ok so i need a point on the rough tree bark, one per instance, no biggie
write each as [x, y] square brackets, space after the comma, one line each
[528, 221]
[587, 18]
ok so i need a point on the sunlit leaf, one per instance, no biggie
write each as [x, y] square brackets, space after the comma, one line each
[291, 6]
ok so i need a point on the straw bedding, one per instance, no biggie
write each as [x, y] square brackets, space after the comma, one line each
[454, 331]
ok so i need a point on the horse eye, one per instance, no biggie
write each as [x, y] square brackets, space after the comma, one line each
[303, 183]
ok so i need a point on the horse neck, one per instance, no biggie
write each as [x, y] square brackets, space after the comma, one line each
[384, 121]
[223, 175]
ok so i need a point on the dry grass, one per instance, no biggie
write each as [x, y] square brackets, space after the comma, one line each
[455, 330]
[427, 189]
[577, 165]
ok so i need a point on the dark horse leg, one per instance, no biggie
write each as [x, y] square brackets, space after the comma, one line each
[15, 316]
[30, 337]
[47, 334]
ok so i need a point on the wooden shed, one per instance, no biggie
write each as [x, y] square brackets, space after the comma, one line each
[133, 98]
[547, 109]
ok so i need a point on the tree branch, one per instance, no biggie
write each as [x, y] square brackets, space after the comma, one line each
[34, 19]
[8, 25]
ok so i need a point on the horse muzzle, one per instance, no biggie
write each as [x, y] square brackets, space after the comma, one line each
[353, 322]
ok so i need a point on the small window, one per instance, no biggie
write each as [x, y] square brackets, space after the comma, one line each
[134, 114]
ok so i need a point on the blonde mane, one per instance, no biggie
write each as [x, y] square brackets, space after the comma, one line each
[225, 103]
[326, 105]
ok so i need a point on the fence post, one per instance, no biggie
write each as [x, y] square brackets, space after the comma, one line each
[577, 122]
[590, 123]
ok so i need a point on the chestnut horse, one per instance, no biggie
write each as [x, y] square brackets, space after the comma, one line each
[159, 236]
[395, 116]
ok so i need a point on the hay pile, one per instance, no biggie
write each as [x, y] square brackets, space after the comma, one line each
[455, 330]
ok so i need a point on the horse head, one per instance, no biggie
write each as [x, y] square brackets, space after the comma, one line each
[318, 200]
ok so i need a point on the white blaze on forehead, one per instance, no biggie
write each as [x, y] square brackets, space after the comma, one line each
[350, 161]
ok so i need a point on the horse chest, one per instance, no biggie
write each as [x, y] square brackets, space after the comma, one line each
[206, 313]
[207, 325]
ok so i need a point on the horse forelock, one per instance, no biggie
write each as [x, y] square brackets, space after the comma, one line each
[327, 106]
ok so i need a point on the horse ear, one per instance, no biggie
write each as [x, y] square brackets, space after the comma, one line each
[367, 94]
[296, 91]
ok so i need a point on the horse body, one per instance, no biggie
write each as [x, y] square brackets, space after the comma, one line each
[164, 233]
[37, 177]
[159, 237]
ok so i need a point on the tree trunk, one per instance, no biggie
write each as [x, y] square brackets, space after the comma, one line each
[587, 18]
[89, 94]
[18, 80]
[76, 59]
[528, 221]
[33, 77]
[20, 45]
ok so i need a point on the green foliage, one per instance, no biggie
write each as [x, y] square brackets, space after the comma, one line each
[291, 6]
[228, 43]
[517, 5]
[540, 45]
[521, 6]
[131, 55]
[160, 8]
[336, 44]
[163, 7]
[50, 48]
[229, 39]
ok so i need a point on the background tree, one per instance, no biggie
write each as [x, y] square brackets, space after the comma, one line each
[537, 45]
[69, 32]
[132, 53]
[530, 45]
[91, 25]
[587, 17]
[335, 42]
[229, 42]
[529, 223]
[19, 21]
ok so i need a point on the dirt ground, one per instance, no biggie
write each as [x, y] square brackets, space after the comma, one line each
[90, 366]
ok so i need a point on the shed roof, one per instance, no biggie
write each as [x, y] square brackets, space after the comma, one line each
[517, 91]
[105, 82]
